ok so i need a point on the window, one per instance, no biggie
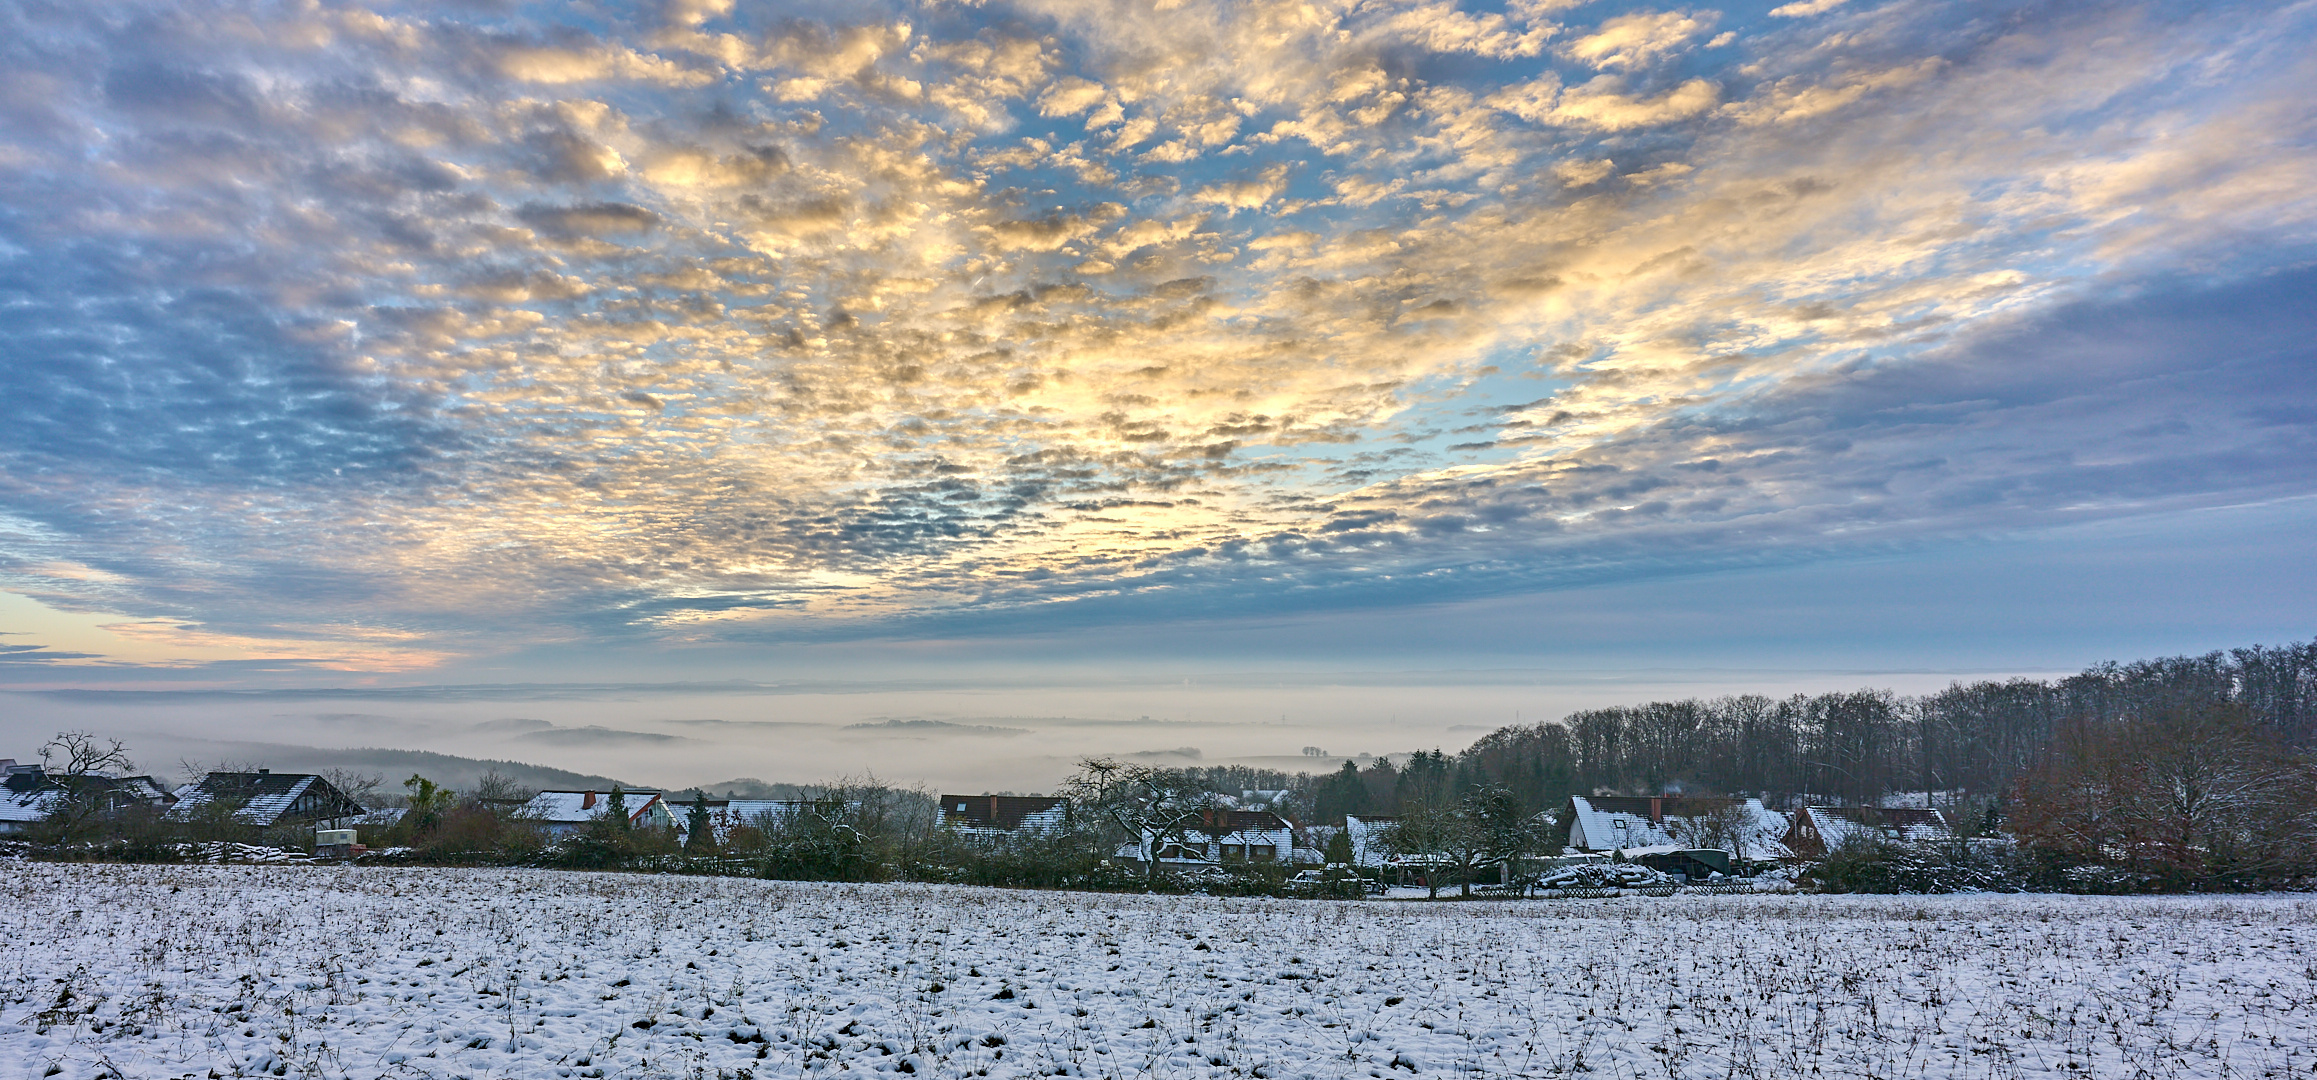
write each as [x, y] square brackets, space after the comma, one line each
[1262, 852]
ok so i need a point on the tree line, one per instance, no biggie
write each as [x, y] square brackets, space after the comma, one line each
[1971, 742]
[2183, 772]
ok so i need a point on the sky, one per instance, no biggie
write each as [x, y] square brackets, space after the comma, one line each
[1350, 375]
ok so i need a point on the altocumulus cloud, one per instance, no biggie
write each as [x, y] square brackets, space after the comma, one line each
[386, 333]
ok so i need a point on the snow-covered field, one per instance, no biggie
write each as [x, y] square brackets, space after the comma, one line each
[149, 972]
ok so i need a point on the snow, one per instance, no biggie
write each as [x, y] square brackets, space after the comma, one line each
[336, 971]
[19, 809]
[1368, 846]
[1597, 828]
[581, 807]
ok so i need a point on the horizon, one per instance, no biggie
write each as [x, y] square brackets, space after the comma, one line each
[827, 732]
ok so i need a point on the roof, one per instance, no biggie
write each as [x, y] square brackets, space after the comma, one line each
[1006, 812]
[1610, 822]
[267, 797]
[575, 807]
[23, 779]
[1222, 822]
[25, 807]
[725, 815]
[751, 811]
[1834, 824]
[30, 793]
[1367, 833]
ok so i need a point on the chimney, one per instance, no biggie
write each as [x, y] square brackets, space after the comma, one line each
[1657, 809]
[588, 803]
[265, 772]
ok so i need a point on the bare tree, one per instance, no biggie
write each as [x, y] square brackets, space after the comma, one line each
[1436, 835]
[1153, 807]
[360, 787]
[1724, 827]
[500, 791]
[2179, 796]
[78, 754]
[77, 766]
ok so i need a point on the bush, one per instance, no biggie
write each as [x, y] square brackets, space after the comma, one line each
[1868, 863]
[1061, 859]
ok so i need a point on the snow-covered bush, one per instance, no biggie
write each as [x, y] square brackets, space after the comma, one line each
[1867, 863]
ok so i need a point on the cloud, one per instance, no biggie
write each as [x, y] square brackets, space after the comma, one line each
[1070, 96]
[1638, 39]
[381, 341]
[594, 736]
[1603, 103]
[1244, 194]
[1790, 100]
[556, 66]
[1584, 173]
[934, 728]
[39, 654]
[593, 219]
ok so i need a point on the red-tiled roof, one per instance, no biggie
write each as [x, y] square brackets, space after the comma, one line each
[995, 811]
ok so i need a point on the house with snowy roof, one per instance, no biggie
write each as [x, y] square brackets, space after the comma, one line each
[1004, 815]
[1224, 835]
[1819, 829]
[562, 813]
[266, 799]
[1370, 848]
[1744, 827]
[29, 794]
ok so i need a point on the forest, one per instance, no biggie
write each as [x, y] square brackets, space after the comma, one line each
[1971, 744]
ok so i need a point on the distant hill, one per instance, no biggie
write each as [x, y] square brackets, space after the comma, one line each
[395, 766]
[746, 787]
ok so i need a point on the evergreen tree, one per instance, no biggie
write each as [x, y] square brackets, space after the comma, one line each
[1426, 781]
[1343, 792]
[698, 833]
[615, 809]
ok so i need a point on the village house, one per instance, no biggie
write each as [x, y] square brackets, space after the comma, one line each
[1224, 836]
[562, 813]
[1818, 829]
[1370, 849]
[1673, 823]
[30, 793]
[266, 799]
[1004, 815]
